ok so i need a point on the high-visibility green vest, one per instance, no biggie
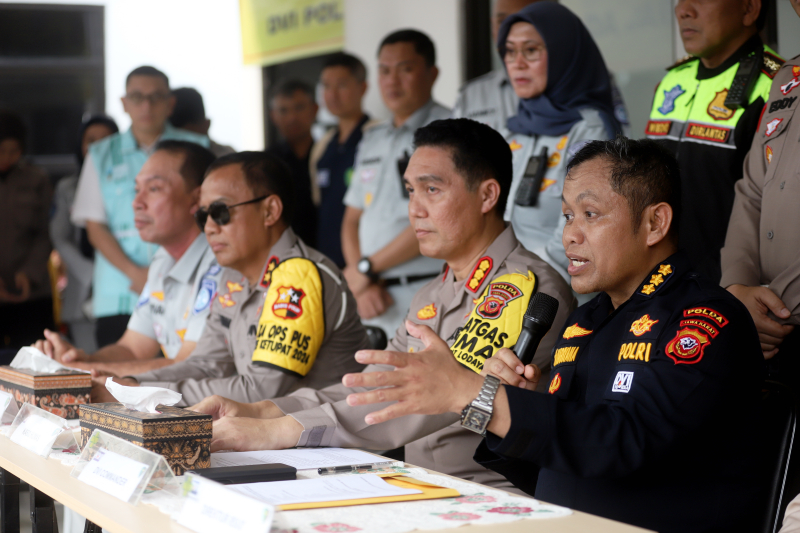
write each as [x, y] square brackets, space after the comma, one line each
[710, 140]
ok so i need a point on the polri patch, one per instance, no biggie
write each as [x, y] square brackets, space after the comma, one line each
[642, 325]
[687, 346]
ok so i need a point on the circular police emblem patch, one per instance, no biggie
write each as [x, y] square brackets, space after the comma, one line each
[208, 288]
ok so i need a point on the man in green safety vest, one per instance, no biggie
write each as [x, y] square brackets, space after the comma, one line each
[706, 111]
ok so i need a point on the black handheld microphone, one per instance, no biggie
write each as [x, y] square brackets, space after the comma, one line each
[536, 323]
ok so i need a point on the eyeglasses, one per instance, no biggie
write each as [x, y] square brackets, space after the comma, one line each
[219, 212]
[139, 98]
[529, 53]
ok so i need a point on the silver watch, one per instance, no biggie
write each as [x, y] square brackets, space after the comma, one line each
[476, 416]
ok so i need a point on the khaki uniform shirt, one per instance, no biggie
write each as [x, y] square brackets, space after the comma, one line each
[25, 200]
[763, 239]
[176, 300]
[291, 330]
[450, 308]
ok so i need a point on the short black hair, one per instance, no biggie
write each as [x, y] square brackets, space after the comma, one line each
[196, 160]
[265, 174]
[147, 70]
[422, 43]
[189, 108]
[643, 172]
[287, 88]
[350, 62]
[12, 127]
[479, 152]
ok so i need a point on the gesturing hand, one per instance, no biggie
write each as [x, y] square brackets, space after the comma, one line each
[427, 382]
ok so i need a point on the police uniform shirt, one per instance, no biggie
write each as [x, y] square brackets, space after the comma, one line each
[710, 140]
[539, 227]
[489, 99]
[378, 190]
[175, 302]
[476, 316]
[651, 415]
[297, 327]
[764, 232]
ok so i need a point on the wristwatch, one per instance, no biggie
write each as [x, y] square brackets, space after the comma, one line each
[476, 416]
[364, 266]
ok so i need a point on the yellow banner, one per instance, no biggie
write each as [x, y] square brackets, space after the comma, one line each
[274, 31]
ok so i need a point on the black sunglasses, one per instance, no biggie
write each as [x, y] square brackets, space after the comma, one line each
[219, 212]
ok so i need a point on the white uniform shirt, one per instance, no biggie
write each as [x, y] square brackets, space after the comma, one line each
[177, 297]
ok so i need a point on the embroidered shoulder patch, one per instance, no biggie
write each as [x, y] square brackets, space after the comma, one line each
[642, 325]
[427, 312]
[687, 347]
[496, 320]
[708, 313]
[292, 323]
[655, 281]
[575, 331]
[555, 384]
[266, 278]
[482, 268]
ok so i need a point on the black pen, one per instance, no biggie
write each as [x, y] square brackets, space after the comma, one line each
[352, 468]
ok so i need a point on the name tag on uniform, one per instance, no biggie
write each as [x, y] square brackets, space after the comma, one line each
[211, 508]
[114, 474]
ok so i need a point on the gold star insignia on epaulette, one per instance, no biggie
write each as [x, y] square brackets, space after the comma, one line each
[656, 279]
[648, 289]
[665, 270]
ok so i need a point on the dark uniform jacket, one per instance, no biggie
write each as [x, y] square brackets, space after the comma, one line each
[710, 140]
[651, 413]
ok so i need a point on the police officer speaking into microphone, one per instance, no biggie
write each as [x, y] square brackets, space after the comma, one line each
[652, 381]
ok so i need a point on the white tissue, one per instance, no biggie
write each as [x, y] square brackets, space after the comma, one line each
[31, 358]
[142, 399]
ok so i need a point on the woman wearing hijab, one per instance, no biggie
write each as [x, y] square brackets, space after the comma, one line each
[565, 96]
[73, 245]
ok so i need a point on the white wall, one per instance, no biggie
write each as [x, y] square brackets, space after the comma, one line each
[367, 22]
[197, 43]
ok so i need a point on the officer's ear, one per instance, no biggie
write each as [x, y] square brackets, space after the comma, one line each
[752, 11]
[489, 192]
[656, 222]
[194, 198]
[272, 209]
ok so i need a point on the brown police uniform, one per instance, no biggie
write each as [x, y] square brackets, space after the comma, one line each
[761, 247]
[476, 317]
[298, 327]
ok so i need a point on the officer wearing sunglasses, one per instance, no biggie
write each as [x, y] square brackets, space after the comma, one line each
[283, 316]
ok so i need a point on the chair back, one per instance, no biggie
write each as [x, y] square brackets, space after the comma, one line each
[779, 419]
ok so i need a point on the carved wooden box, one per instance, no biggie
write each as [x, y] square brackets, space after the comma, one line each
[183, 437]
[60, 393]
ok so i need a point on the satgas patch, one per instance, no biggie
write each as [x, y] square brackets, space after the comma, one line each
[716, 108]
[291, 327]
[575, 331]
[499, 294]
[481, 337]
[687, 347]
[479, 273]
[266, 277]
[427, 312]
[642, 325]
[635, 351]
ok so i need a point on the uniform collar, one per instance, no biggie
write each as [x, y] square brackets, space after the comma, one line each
[753, 44]
[484, 268]
[183, 270]
[417, 118]
[128, 142]
[663, 275]
[277, 253]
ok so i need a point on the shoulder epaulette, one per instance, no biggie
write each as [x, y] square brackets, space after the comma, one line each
[682, 61]
[771, 64]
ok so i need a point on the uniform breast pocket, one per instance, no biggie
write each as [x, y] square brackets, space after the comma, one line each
[414, 345]
[561, 378]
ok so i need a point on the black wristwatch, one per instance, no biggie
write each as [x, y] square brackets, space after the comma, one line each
[364, 266]
[476, 416]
